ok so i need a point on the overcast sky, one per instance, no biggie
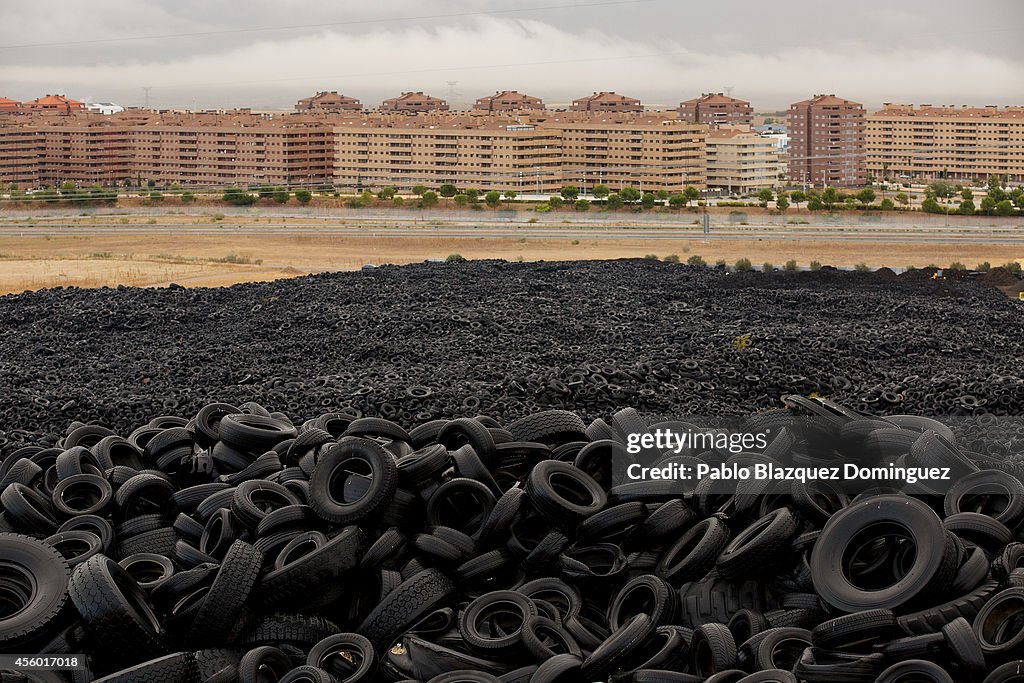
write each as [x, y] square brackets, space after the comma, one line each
[663, 51]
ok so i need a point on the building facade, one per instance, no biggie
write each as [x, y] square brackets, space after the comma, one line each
[57, 104]
[964, 144]
[716, 109]
[414, 102]
[508, 100]
[607, 101]
[328, 101]
[826, 141]
[741, 161]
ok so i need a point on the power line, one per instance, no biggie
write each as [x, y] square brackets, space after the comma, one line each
[351, 22]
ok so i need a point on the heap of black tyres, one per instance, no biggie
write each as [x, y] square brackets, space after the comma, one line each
[415, 343]
[237, 545]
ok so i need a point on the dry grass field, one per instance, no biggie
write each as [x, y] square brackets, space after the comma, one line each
[93, 260]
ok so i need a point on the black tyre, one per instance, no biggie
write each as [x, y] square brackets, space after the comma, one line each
[339, 489]
[33, 590]
[415, 597]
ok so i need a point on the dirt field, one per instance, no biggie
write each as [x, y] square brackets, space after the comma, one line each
[34, 262]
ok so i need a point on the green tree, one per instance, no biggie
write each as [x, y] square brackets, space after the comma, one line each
[790, 266]
[966, 194]
[902, 198]
[815, 265]
[387, 193]
[648, 200]
[782, 203]
[956, 265]
[743, 265]
[767, 267]
[419, 190]
[798, 197]
[238, 197]
[696, 261]
[448, 190]
[691, 193]
[281, 195]
[1004, 208]
[510, 195]
[988, 205]
[630, 194]
[614, 202]
[662, 195]
[600, 191]
[264, 191]
[493, 199]
[555, 202]
[303, 195]
[187, 197]
[428, 199]
[581, 205]
[931, 205]
[462, 199]
[570, 192]
[677, 201]
[765, 196]
[829, 197]
[866, 196]
[814, 203]
[966, 208]
[887, 205]
[472, 194]
[983, 267]
[155, 197]
[397, 201]
[995, 188]
[942, 189]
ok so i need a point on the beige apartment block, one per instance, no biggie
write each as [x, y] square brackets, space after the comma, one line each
[328, 101]
[650, 153]
[964, 144]
[716, 109]
[414, 102]
[482, 154]
[741, 161]
[508, 100]
[826, 142]
[607, 101]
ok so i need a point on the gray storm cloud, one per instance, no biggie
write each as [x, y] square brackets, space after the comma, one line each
[551, 59]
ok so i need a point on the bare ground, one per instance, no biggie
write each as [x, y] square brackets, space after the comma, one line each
[93, 260]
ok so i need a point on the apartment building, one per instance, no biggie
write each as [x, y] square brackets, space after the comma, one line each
[963, 144]
[414, 102]
[607, 102]
[826, 141]
[482, 153]
[508, 100]
[54, 103]
[188, 149]
[741, 161]
[328, 101]
[715, 109]
[8, 105]
[650, 153]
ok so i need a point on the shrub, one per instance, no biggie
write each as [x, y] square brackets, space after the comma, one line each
[696, 260]
[887, 205]
[983, 267]
[581, 205]
[862, 268]
[672, 258]
[386, 193]
[555, 202]
[455, 258]
[767, 267]
[1013, 267]
[542, 208]
[790, 266]
[743, 265]
[614, 202]
[303, 196]
[238, 197]
[574, 242]
[651, 257]
[956, 265]
[281, 195]
[397, 201]
[815, 265]
[188, 197]
[720, 263]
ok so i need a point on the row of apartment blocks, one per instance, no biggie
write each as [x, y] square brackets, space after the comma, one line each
[542, 151]
[509, 141]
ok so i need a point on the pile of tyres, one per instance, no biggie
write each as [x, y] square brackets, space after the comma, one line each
[420, 342]
[240, 545]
